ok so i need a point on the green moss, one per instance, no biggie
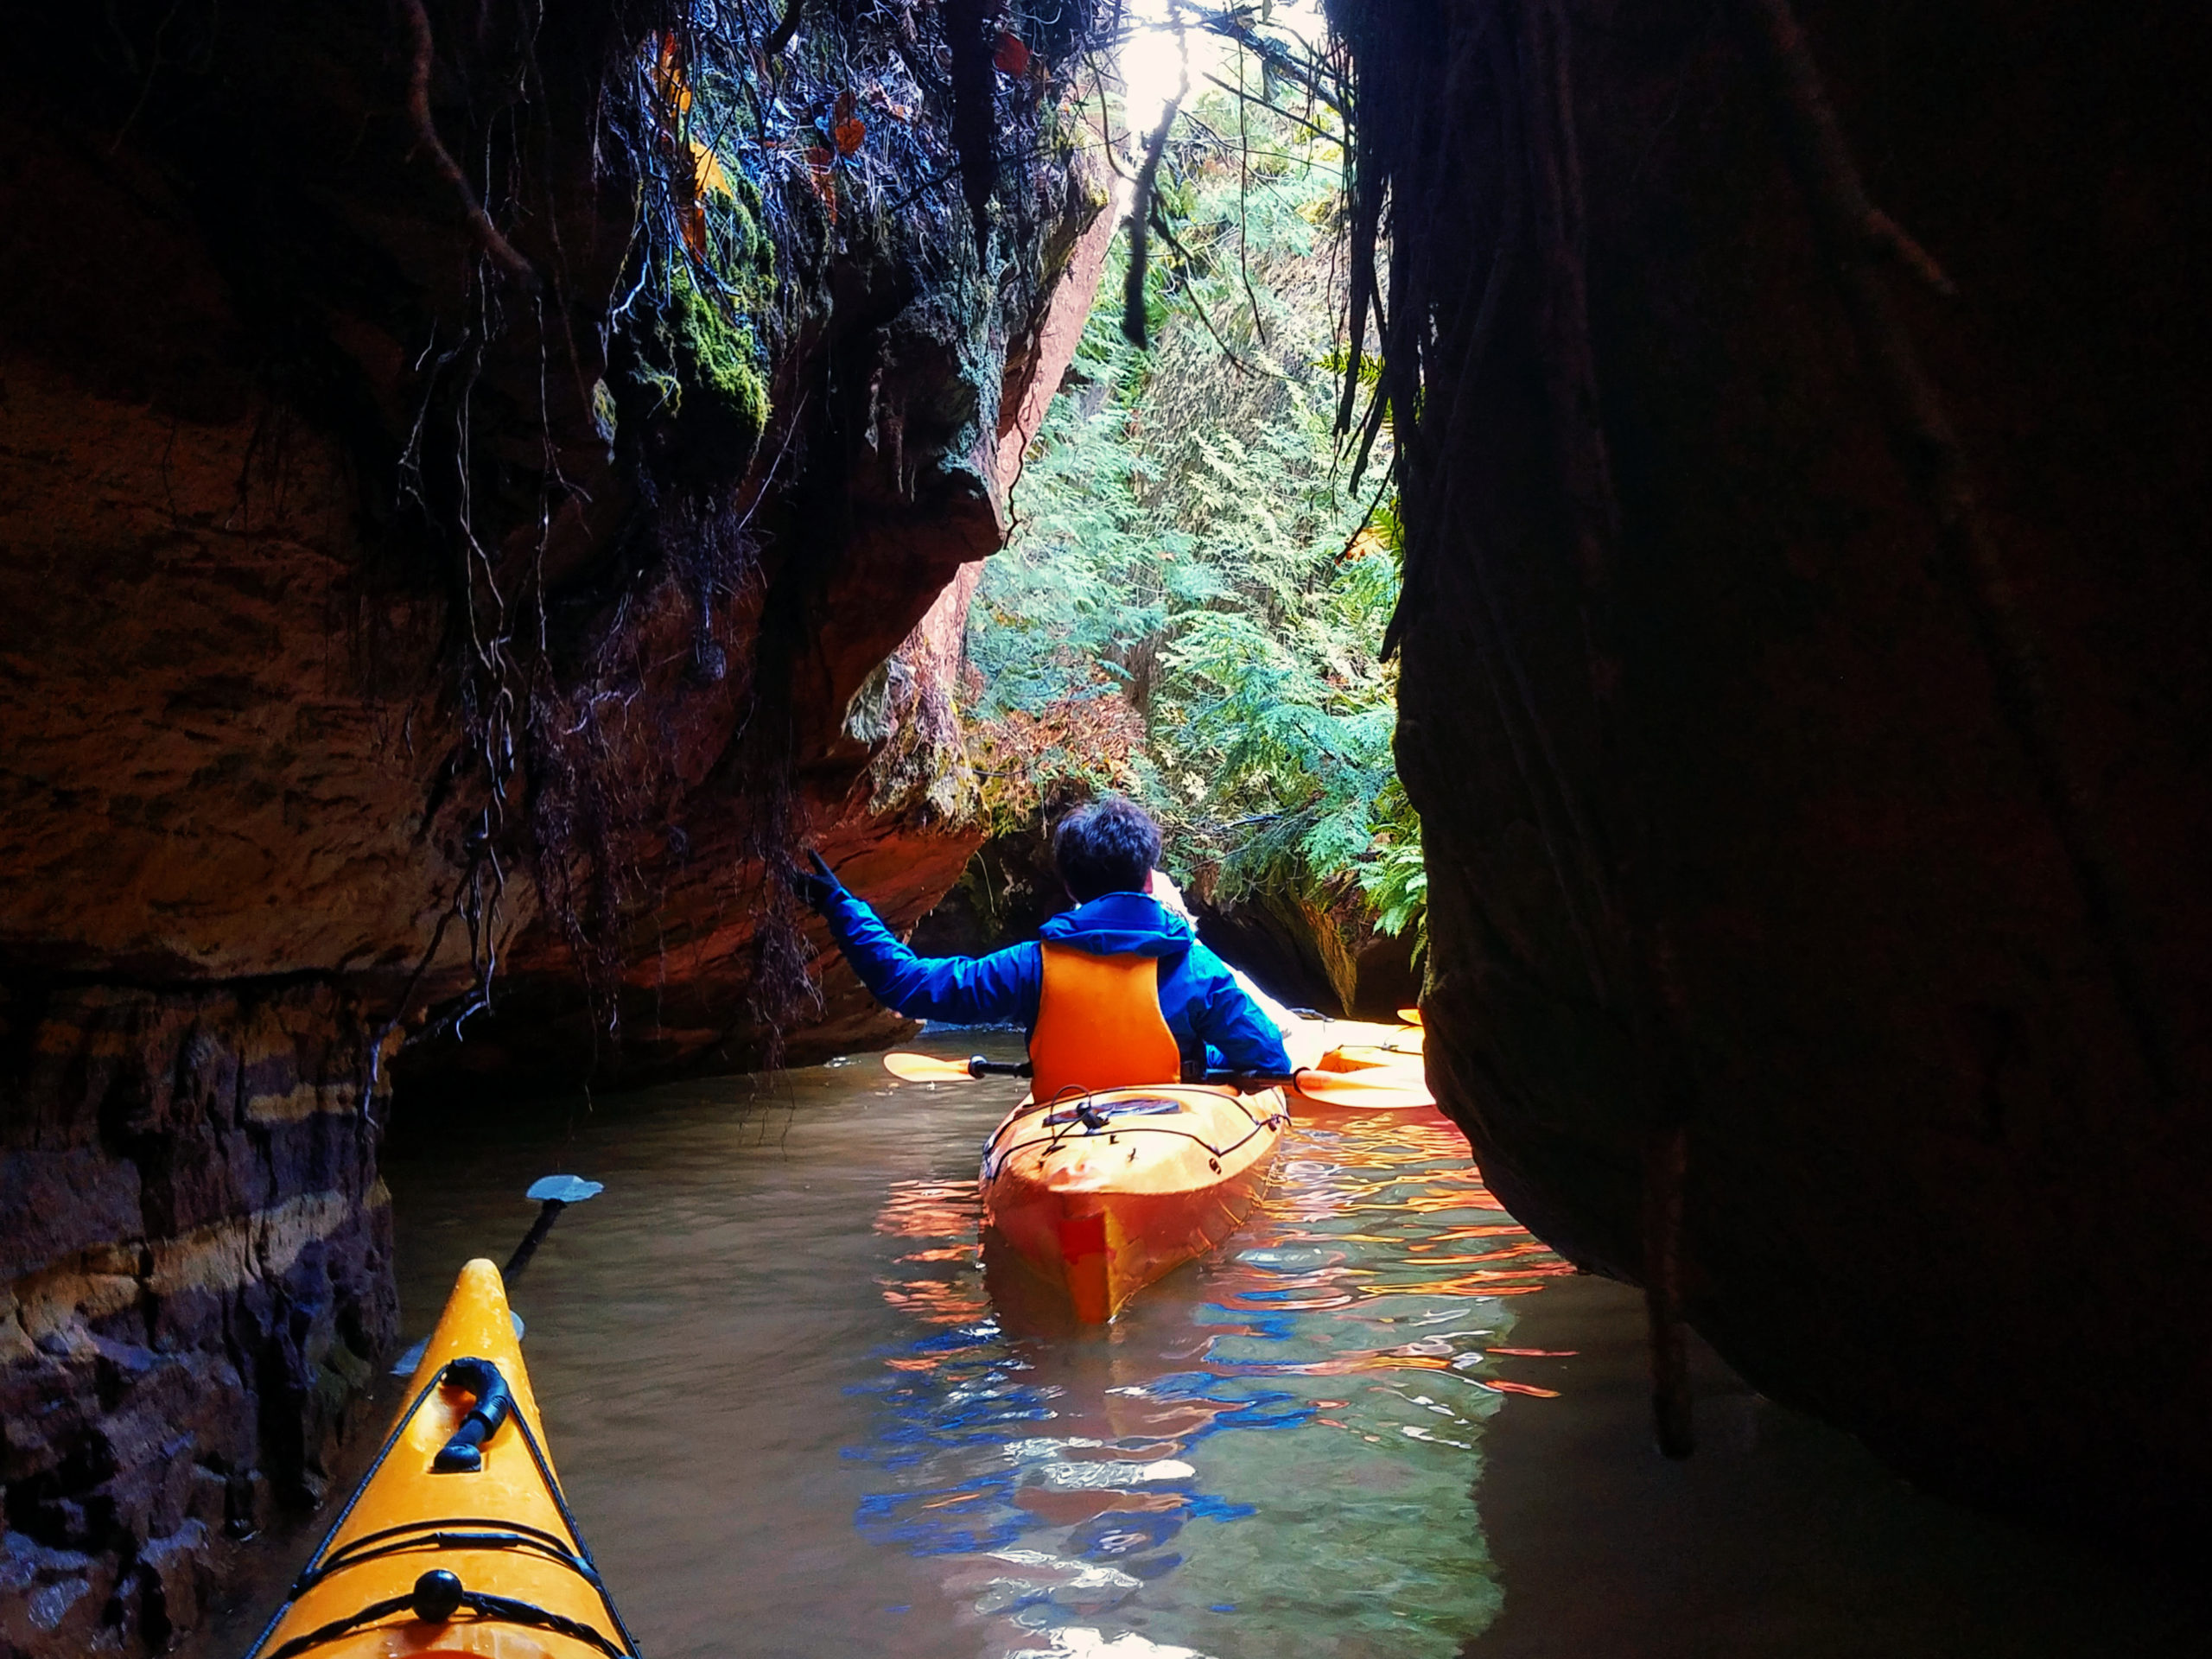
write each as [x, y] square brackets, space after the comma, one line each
[720, 364]
[709, 363]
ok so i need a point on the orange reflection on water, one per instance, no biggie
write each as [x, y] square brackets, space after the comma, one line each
[1530, 1246]
[1344, 1364]
[938, 1302]
[1073, 1475]
[1068, 1508]
[1460, 1234]
[929, 1209]
[1364, 1210]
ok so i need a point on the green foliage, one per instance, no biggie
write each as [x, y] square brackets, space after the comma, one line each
[704, 356]
[1185, 546]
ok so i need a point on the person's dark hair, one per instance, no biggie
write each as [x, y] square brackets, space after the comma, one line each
[1109, 846]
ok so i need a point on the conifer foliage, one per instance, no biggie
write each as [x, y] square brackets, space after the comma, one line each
[1191, 579]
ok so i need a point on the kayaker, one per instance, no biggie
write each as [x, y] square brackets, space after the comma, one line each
[1162, 887]
[1117, 993]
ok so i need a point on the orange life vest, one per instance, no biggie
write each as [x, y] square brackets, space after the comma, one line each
[1099, 1026]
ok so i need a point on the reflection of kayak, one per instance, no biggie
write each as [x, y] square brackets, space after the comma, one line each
[432, 1557]
[1098, 1195]
[1364, 1049]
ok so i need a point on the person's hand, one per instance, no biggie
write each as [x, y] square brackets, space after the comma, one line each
[817, 886]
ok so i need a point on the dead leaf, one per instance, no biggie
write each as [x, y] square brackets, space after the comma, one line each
[850, 134]
[1012, 55]
[708, 177]
[821, 173]
[670, 82]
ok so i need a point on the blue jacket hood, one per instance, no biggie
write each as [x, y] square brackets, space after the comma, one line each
[1121, 924]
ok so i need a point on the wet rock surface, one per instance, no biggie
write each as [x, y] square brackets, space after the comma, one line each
[195, 1279]
[1736, 831]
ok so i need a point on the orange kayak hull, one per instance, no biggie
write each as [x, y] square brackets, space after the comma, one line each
[1097, 1198]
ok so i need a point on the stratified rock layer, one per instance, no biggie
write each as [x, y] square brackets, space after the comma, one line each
[195, 1278]
[1734, 828]
[377, 609]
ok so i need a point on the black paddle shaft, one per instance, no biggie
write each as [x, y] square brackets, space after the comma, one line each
[548, 1214]
[556, 1193]
[980, 1067]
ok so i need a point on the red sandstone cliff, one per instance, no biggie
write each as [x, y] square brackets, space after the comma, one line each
[376, 605]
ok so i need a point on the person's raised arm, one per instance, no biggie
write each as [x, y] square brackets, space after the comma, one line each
[962, 990]
[1235, 1027]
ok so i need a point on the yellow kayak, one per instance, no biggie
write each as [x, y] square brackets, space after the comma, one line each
[1361, 1048]
[458, 1540]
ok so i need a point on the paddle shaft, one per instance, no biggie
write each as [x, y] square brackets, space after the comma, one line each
[548, 1213]
[980, 1067]
[977, 1066]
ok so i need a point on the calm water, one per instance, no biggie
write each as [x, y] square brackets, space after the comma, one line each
[1386, 1421]
[782, 1396]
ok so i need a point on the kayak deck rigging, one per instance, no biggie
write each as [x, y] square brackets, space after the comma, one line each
[1094, 1114]
[463, 1488]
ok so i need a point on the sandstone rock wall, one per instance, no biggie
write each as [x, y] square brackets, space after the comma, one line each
[196, 1280]
[1736, 830]
[371, 615]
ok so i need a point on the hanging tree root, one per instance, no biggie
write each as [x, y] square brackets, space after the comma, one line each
[1855, 234]
[421, 56]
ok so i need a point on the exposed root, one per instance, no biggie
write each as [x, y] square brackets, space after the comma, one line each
[422, 57]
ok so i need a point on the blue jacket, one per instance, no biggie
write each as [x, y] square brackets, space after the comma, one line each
[1216, 1025]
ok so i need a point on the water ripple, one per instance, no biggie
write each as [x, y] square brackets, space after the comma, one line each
[1271, 1454]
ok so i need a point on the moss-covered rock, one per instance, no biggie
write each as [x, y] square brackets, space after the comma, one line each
[708, 362]
[720, 367]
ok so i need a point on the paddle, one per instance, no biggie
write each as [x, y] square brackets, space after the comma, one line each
[554, 1193]
[1335, 1087]
[928, 1068]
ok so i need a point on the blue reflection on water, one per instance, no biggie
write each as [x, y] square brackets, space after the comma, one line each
[1287, 1432]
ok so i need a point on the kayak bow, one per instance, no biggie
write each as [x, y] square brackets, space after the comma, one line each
[458, 1543]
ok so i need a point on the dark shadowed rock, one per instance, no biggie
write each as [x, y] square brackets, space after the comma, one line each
[1760, 818]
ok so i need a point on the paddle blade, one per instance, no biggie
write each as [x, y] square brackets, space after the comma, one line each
[568, 1189]
[1411, 1016]
[1341, 1088]
[926, 1068]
